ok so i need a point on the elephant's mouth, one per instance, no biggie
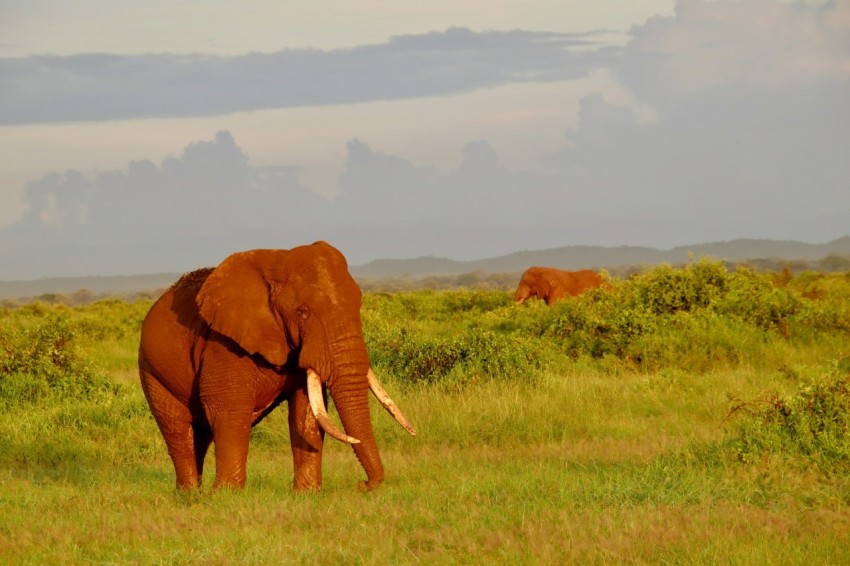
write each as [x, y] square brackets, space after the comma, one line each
[317, 405]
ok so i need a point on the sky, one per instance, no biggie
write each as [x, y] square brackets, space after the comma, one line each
[162, 136]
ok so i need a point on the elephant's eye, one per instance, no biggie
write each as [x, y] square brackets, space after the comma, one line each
[303, 313]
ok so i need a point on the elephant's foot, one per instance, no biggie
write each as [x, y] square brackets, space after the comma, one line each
[233, 485]
[365, 486]
[307, 488]
[186, 471]
[189, 487]
[308, 479]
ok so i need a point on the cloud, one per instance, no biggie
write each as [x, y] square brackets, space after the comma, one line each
[97, 87]
[748, 44]
[755, 146]
[198, 205]
[210, 201]
[740, 129]
[750, 120]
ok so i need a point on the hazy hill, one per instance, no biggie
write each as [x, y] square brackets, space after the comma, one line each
[107, 285]
[567, 257]
[579, 257]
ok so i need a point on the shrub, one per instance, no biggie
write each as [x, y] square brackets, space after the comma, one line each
[111, 319]
[756, 300]
[588, 329]
[473, 355]
[477, 301]
[691, 318]
[826, 302]
[813, 423]
[40, 360]
[696, 342]
[667, 290]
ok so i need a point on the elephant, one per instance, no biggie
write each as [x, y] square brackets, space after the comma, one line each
[553, 285]
[224, 346]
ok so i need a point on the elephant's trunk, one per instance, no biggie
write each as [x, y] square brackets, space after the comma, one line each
[343, 366]
[351, 397]
[349, 379]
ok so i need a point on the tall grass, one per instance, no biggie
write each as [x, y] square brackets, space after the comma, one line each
[694, 415]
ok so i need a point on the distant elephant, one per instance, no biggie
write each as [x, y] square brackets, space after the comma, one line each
[224, 346]
[553, 285]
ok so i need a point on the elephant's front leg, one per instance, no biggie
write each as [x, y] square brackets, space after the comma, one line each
[231, 431]
[306, 439]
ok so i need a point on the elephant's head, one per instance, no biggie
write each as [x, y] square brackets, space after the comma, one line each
[523, 292]
[302, 304]
[532, 284]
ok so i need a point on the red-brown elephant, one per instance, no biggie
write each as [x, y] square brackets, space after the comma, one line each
[553, 285]
[226, 345]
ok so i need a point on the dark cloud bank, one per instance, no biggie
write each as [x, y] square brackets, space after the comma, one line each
[94, 87]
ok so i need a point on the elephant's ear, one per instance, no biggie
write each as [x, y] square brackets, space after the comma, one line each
[235, 301]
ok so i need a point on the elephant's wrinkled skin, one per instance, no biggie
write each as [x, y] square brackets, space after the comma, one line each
[224, 346]
[553, 285]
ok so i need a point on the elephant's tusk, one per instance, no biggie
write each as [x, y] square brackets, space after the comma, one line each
[379, 392]
[317, 404]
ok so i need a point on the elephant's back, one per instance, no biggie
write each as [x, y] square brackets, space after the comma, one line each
[579, 281]
[170, 336]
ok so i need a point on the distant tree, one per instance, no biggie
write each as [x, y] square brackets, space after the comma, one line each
[470, 280]
[82, 297]
[835, 263]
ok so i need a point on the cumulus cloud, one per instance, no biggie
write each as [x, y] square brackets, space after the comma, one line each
[157, 217]
[746, 44]
[94, 87]
[209, 201]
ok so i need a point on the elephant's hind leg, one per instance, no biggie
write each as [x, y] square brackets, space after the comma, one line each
[175, 424]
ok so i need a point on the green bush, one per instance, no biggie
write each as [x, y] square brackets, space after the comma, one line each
[476, 301]
[667, 290]
[697, 317]
[825, 305]
[595, 329]
[40, 360]
[469, 356]
[433, 305]
[756, 300]
[813, 423]
[111, 319]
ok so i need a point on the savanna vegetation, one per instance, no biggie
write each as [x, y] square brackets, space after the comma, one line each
[689, 415]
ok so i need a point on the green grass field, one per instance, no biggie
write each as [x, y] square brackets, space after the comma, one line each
[691, 415]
